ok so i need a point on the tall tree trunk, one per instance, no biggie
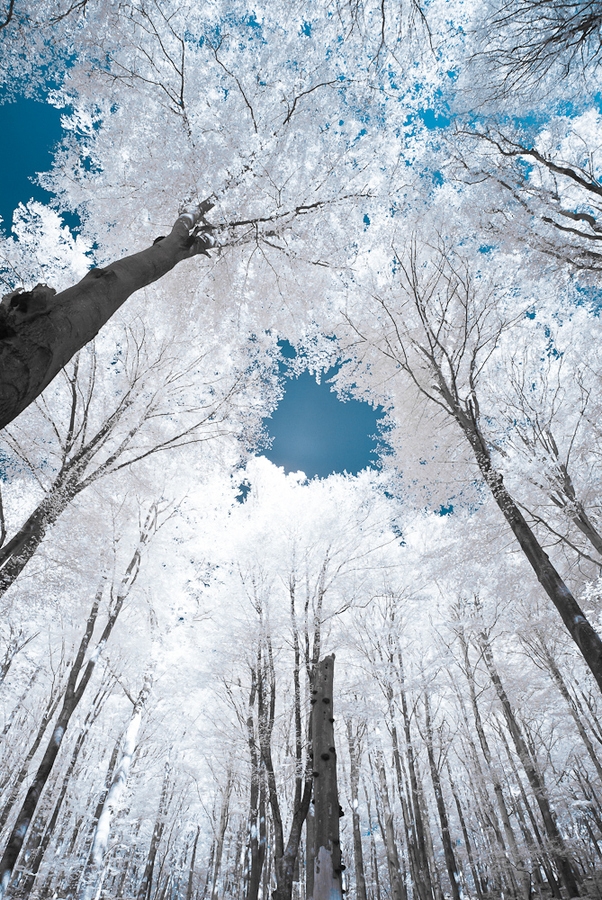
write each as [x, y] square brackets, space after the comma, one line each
[190, 883]
[146, 882]
[585, 636]
[73, 694]
[396, 878]
[38, 842]
[327, 846]
[534, 776]
[71, 699]
[450, 859]
[516, 859]
[354, 782]
[40, 331]
[221, 837]
[94, 873]
[423, 880]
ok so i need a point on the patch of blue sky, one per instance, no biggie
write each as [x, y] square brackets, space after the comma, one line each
[306, 28]
[315, 431]
[589, 296]
[25, 153]
[433, 119]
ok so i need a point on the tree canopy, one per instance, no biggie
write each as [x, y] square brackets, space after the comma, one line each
[409, 194]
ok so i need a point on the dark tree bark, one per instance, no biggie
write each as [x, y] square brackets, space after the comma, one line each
[327, 847]
[40, 331]
[558, 848]
[73, 694]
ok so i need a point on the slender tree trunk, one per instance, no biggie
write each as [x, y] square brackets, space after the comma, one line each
[516, 860]
[534, 776]
[221, 836]
[373, 853]
[190, 884]
[396, 877]
[354, 781]
[40, 331]
[38, 843]
[424, 883]
[327, 847]
[93, 876]
[23, 771]
[450, 859]
[146, 882]
[465, 835]
[585, 636]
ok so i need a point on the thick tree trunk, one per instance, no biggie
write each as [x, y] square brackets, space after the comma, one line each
[39, 332]
[327, 847]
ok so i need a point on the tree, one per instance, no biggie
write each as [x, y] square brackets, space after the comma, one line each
[40, 331]
[440, 331]
[326, 853]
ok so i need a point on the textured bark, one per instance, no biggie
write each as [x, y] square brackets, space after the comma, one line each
[40, 331]
[327, 846]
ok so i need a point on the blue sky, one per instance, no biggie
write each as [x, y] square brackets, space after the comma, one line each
[311, 429]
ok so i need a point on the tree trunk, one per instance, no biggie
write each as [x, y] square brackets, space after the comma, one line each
[396, 879]
[354, 781]
[221, 836]
[327, 846]
[450, 859]
[93, 877]
[190, 883]
[41, 331]
[38, 842]
[585, 636]
[534, 776]
[146, 883]
[71, 699]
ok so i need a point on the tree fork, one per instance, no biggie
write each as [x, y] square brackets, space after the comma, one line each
[40, 330]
